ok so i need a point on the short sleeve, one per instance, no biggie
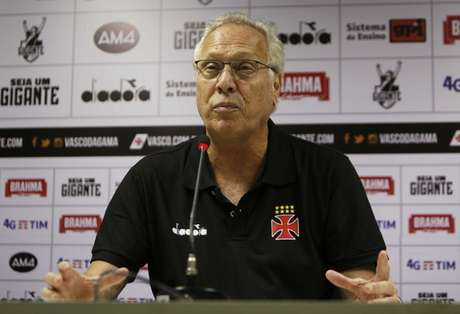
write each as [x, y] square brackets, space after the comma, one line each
[122, 239]
[353, 238]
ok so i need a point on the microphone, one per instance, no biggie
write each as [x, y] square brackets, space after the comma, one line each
[191, 271]
[190, 291]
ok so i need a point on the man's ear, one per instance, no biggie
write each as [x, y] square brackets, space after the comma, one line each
[277, 83]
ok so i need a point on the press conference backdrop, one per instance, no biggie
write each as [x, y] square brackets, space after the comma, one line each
[89, 86]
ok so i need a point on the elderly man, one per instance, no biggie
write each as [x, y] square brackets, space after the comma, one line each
[276, 214]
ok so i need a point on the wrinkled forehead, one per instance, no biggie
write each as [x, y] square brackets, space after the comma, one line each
[235, 41]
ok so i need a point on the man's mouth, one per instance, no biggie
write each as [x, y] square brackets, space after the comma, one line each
[225, 107]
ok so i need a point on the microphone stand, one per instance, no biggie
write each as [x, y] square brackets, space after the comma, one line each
[190, 290]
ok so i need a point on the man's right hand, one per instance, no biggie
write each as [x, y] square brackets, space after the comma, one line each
[70, 285]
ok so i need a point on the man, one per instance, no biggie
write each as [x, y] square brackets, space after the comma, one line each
[275, 213]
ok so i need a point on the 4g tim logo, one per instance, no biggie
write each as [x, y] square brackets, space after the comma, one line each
[430, 265]
[452, 83]
[25, 224]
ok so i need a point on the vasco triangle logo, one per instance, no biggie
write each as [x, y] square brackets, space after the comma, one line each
[138, 141]
[455, 139]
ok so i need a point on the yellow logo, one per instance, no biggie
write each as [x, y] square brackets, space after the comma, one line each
[284, 209]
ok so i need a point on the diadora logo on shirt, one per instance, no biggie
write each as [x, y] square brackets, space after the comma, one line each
[285, 225]
[198, 230]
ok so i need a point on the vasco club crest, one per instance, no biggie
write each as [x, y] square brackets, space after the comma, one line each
[285, 225]
[31, 47]
[387, 92]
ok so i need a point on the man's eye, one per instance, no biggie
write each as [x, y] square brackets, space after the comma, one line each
[246, 67]
[211, 66]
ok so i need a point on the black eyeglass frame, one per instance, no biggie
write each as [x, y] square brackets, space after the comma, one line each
[260, 65]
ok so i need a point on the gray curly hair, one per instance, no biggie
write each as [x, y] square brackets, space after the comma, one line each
[275, 46]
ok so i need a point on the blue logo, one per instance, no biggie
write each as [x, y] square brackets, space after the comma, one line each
[385, 224]
[428, 265]
[452, 83]
[25, 224]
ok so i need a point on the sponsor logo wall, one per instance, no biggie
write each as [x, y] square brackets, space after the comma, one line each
[417, 209]
[96, 84]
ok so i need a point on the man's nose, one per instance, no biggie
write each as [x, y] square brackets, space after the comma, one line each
[226, 81]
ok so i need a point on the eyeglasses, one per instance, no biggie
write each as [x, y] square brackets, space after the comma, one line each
[242, 69]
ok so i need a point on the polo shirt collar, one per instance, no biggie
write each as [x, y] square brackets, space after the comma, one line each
[190, 170]
[278, 168]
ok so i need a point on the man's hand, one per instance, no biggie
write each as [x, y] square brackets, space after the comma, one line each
[376, 288]
[70, 285]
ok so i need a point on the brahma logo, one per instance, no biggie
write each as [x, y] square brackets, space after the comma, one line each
[25, 187]
[79, 223]
[407, 30]
[116, 37]
[451, 29]
[297, 85]
[23, 262]
[431, 223]
[378, 184]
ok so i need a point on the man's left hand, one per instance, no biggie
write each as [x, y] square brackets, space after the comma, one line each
[375, 289]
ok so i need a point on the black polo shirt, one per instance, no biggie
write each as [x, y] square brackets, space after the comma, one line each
[306, 213]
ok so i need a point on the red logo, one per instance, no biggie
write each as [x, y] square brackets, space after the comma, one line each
[455, 139]
[25, 187]
[298, 85]
[407, 30]
[451, 29]
[431, 223]
[79, 223]
[284, 227]
[378, 184]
